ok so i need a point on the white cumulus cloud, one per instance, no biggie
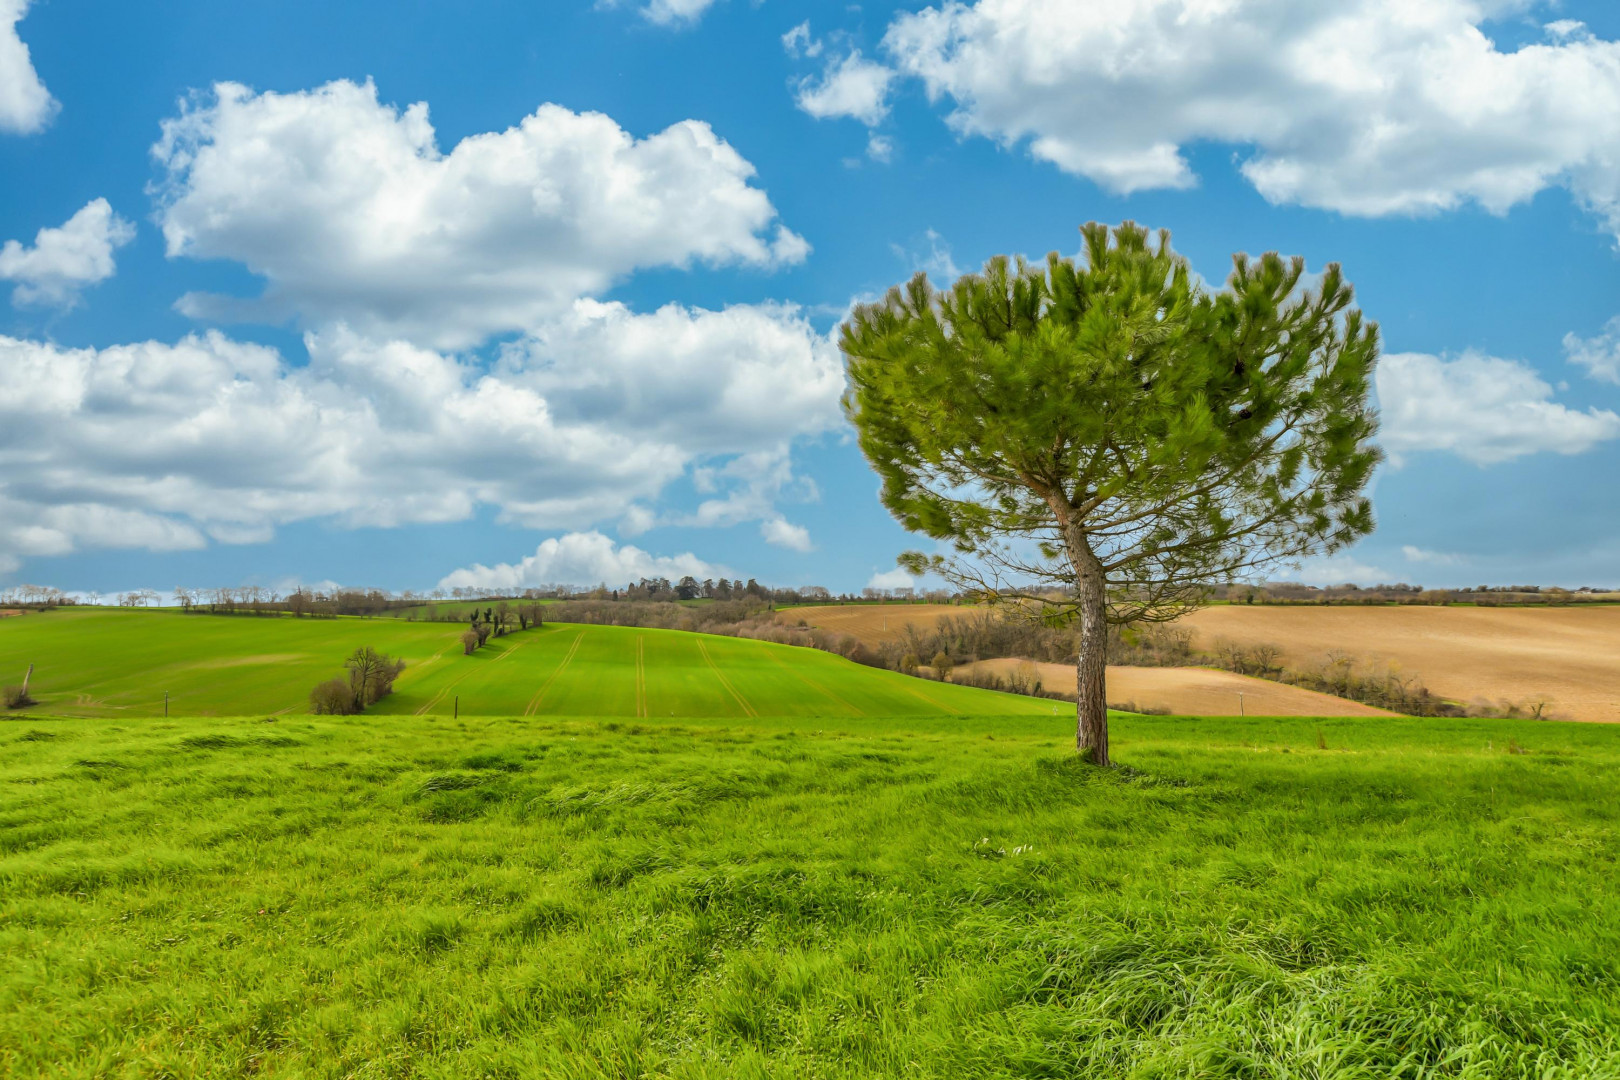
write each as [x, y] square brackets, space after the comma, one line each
[670, 12]
[1565, 29]
[667, 13]
[587, 419]
[351, 212]
[892, 579]
[1340, 568]
[581, 558]
[1364, 107]
[853, 87]
[1600, 355]
[780, 532]
[1416, 554]
[64, 260]
[747, 488]
[25, 105]
[1483, 409]
[799, 42]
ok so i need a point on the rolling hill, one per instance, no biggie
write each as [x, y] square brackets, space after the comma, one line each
[121, 663]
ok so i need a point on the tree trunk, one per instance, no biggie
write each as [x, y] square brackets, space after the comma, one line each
[1091, 668]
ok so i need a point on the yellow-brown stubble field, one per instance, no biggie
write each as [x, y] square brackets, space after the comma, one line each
[1568, 656]
[1187, 691]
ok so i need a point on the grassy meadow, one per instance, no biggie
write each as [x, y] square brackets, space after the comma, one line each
[100, 662]
[833, 872]
[393, 896]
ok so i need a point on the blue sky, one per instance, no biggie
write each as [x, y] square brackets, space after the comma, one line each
[305, 338]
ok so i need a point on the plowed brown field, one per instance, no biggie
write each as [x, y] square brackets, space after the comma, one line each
[1190, 691]
[1567, 656]
[872, 623]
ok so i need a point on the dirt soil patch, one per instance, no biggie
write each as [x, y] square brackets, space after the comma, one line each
[1189, 691]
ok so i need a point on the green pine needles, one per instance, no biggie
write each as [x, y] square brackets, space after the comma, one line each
[1100, 441]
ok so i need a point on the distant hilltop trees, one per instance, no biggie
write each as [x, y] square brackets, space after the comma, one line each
[317, 603]
[690, 588]
[1284, 592]
[32, 596]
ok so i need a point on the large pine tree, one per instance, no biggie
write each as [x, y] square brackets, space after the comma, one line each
[1099, 441]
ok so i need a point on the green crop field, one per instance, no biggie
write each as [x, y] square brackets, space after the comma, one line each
[121, 663]
[416, 896]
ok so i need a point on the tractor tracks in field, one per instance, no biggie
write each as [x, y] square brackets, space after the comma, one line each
[641, 676]
[453, 683]
[785, 666]
[748, 710]
[539, 695]
[918, 694]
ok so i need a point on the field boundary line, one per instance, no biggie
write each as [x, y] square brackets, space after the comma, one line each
[534, 702]
[856, 709]
[748, 710]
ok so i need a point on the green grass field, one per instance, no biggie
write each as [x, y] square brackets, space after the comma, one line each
[810, 869]
[403, 896]
[121, 663]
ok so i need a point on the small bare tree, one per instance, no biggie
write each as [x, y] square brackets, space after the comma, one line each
[1265, 657]
[371, 675]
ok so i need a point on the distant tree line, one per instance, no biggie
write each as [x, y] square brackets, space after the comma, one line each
[328, 603]
[659, 589]
[315, 603]
[1281, 592]
[300, 602]
[33, 596]
[496, 621]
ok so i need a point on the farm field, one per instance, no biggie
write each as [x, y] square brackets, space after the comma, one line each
[404, 896]
[1569, 656]
[872, 624]
[1189, 691]
[120, 663]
